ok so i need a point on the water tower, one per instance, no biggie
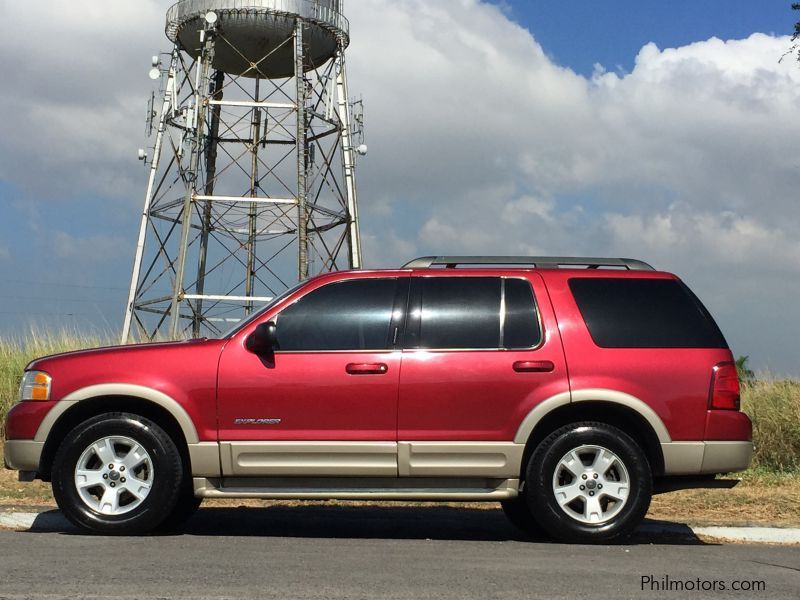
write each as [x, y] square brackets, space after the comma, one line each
[251, 175]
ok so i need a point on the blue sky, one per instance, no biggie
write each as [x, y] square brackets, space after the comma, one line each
[490, 136]
[582, 33]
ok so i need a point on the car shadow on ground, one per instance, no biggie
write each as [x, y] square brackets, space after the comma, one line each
[372, 522]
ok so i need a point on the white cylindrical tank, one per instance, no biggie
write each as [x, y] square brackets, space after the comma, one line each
[254, 28]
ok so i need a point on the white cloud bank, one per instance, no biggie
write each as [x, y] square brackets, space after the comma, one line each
[480, 143]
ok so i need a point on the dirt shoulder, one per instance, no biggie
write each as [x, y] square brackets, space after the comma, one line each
[760, 499]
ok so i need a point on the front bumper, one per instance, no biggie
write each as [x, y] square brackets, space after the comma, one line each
[22, 455]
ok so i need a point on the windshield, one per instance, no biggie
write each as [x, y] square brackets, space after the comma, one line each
[243, 323]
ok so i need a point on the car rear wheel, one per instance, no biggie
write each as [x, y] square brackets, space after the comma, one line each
[117, 473]
[589, 482]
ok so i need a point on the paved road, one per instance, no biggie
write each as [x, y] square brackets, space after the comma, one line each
[344, 552]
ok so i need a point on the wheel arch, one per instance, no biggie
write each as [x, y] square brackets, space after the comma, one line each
[623, 411]
[85, 404]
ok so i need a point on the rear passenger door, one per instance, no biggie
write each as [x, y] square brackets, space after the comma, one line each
[480, 352]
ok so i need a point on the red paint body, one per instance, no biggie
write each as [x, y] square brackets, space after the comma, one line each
[477, 394]
[674, 382]
[469, 395]
[185, 371]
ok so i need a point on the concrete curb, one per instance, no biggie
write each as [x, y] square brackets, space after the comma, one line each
[54, 520]
[51, 520]
[755, 535]
[769, 535]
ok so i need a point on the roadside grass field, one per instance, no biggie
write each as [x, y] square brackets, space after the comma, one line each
[769, 491]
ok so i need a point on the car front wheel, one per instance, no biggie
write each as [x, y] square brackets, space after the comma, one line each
[117, 473]
[589, 482]
[185, 507]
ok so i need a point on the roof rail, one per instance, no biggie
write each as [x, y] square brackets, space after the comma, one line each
[541, 262]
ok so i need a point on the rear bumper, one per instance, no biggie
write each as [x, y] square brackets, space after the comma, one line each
[706, 458]
[23, 455]
[726, 457]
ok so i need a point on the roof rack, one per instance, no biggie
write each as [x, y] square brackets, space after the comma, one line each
[540, 262]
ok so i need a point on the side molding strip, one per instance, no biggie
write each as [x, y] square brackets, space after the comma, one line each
[204, 458]
[497, 460]
[312, 458]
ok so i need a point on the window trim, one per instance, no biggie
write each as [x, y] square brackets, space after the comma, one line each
[540, 322]
[416, 304]
[400, 290]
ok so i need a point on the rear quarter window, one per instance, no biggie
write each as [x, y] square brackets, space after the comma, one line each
[644, 313]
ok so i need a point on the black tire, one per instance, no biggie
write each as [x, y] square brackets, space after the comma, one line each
[556, 520]
[185, 507]
[167, 471]
[519, 513]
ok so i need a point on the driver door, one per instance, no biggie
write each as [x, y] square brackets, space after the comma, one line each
[324, 403]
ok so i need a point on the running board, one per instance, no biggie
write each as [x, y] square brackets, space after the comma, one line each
[350, 488]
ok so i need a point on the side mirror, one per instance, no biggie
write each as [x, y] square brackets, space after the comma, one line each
[264, 339]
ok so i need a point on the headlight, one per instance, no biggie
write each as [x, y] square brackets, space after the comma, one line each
[35, 386]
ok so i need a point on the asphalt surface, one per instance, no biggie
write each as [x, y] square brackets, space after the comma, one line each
[348, 552]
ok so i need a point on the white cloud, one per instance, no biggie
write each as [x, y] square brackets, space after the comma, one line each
[5, 253]
[722, 238]
[74, 92]
[93, 249]
[479, 143]
[711, 124]
[384, 247]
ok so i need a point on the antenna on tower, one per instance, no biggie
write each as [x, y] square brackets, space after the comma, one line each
[151, 115]
[251, 182]
[357, 109]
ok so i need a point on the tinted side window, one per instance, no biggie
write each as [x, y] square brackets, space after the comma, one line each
[348, 315]
[644, 313]
[467, 313]
[460, 312]
[521, 323]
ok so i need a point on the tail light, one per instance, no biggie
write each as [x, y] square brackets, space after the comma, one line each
[724, 393]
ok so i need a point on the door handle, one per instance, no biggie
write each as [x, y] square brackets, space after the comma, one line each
[366, 368]
[534, 366]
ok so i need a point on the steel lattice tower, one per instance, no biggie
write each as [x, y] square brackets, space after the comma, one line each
[251, 183]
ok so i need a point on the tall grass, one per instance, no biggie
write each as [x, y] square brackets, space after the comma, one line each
[16, 353]
[774, 405]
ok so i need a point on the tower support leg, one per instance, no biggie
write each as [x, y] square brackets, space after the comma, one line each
[166, 107]
[211, 180]
[302, 154]
[348, 165]
[201, 99]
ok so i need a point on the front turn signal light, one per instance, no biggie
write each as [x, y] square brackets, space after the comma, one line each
[35, 386]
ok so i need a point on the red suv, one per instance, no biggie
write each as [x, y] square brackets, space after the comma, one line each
[568, 389]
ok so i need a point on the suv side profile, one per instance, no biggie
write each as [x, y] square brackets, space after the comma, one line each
[567, 389]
